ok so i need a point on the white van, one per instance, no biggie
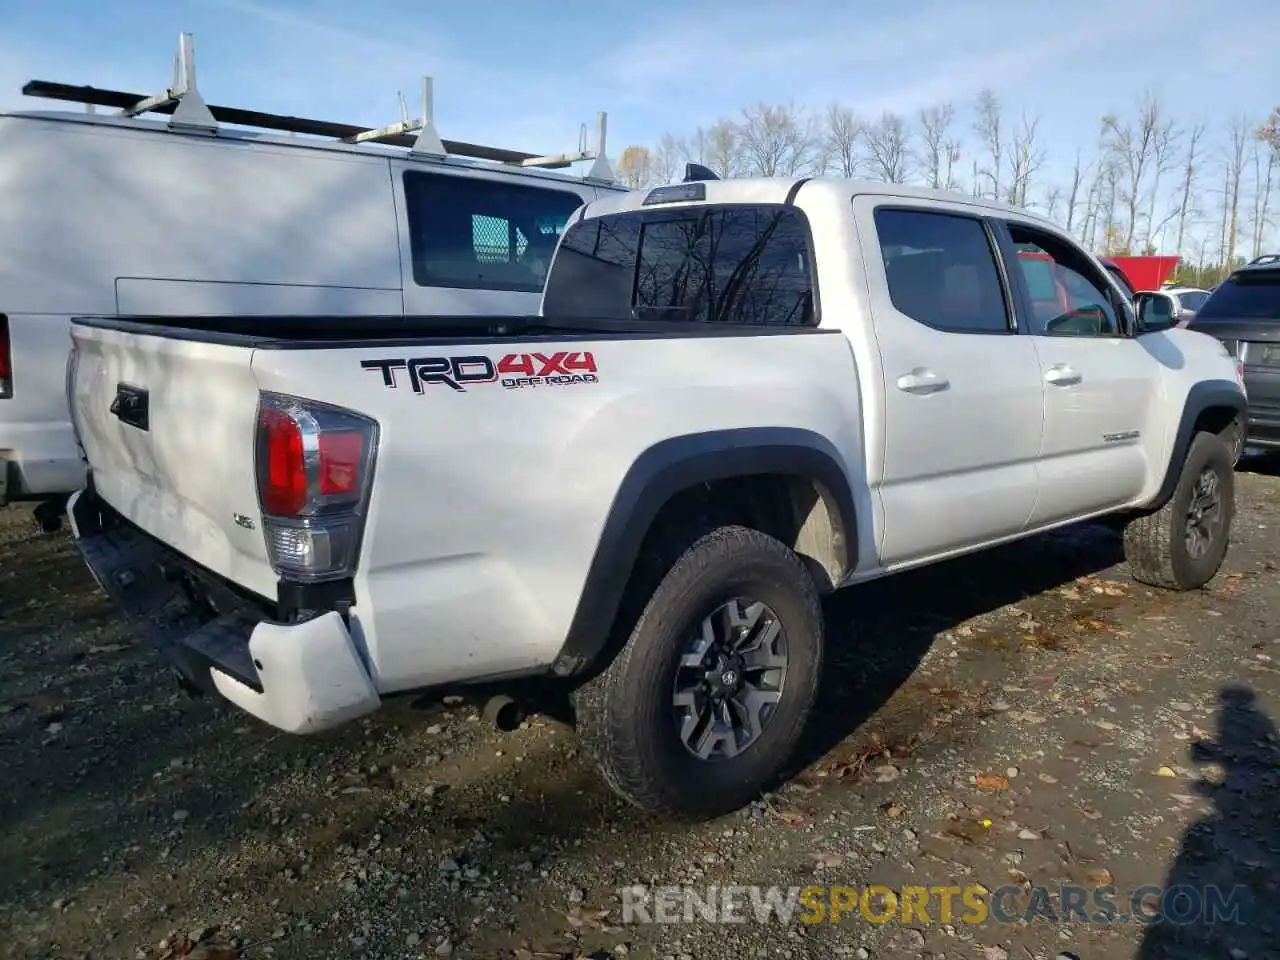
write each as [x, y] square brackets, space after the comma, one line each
[112, 214]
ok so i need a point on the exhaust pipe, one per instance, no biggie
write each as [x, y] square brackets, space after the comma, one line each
[504, 713]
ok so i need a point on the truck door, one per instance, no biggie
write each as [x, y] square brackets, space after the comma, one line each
[963, 394]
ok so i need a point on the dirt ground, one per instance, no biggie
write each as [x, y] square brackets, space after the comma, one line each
[1021, 719]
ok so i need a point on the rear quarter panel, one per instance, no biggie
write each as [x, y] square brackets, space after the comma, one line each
[488, 503]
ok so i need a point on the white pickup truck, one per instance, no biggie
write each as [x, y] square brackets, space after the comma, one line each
[738, 396]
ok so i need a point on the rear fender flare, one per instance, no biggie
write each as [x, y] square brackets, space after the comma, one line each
[660, 472]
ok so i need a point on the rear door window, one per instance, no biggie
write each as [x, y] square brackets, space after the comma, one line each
[941, 270]
[740, 264]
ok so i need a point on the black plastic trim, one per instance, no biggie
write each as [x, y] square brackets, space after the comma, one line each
[790, 200]
[665, 469]
[298, 598]
[340, 333]
[1203, 396]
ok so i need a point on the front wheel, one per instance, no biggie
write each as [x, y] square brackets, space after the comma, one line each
[1182, 545]
[707, 700]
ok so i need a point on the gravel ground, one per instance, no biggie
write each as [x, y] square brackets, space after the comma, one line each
[1025, 717]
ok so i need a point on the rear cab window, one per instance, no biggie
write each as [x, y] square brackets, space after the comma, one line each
[746, 264]
[483, 234]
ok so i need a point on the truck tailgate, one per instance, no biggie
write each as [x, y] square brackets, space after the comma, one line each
[167, 425]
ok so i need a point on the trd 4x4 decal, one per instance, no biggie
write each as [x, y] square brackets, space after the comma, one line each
[513, 371]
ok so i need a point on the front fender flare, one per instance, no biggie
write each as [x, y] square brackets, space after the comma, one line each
[1205, 395]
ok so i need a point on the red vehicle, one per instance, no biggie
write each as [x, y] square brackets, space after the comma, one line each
[1144, 273]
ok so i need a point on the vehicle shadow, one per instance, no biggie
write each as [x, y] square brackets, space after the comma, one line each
[877, 633]
[1220, 896]
[145, 781]
[1265, 463]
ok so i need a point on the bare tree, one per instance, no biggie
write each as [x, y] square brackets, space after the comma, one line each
[1240, 133]
[666, 159]
[1073, 195]
[1133, 147]
[842, 135]
[694, 147]
[1263, 179]
[1101, 205]
[1052, 200]
[635, 166]
[888, 148]
[935, 123]
[1187, 184]
[777, 140]
[952, 148]
[724, 148]
[988, 127]
[1025, 158]
[1163, 150]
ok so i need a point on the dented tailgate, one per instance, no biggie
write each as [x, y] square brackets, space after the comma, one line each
[167, 425]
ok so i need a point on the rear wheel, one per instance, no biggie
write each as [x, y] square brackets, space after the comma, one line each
[1182, 545]
[707, 700]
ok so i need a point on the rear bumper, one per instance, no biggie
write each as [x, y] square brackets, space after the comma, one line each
[1263, 386]
[39, 460]
[298, 677]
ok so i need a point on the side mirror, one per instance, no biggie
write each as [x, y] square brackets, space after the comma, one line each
[1155, 312]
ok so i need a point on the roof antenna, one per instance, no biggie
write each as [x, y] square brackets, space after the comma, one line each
[696, 171]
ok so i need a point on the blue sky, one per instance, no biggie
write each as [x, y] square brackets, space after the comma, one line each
[526, 74]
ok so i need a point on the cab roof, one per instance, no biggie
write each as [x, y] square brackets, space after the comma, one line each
[783, 189]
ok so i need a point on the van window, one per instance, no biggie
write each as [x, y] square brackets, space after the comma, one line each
[483, 234]
[741, 264]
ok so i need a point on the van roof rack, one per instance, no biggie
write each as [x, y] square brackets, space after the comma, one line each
[1265, 258]
[188, 111]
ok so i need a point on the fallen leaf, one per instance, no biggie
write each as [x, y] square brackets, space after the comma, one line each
[893, 810]
[1105, 725]
[827, 861]
[1025, 834]
[1027, 717]
[791, 818]
[1099, 876]
[579, 917]
[886, 774]
[991, 781]
[1020, 878]
[1166, 772]
[995, 953]
[1046, 778]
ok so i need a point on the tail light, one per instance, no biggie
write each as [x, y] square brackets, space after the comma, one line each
[315, 469]
[6, 360]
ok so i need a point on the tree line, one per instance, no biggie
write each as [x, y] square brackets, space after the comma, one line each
[1148, 183]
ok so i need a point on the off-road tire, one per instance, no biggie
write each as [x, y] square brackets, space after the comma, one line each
[1155, 543]
[625, 720]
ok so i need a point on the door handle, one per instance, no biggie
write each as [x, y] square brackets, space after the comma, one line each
[1061, 375]
[922, 380]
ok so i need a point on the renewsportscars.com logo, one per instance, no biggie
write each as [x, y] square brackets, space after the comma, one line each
[514, 370]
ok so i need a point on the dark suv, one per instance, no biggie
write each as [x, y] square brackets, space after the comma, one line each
[1244, 313]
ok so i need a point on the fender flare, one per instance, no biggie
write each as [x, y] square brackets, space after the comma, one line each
[660, 472]
[1202, 396]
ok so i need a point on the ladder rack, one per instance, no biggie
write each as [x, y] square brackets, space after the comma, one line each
[188, 111]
